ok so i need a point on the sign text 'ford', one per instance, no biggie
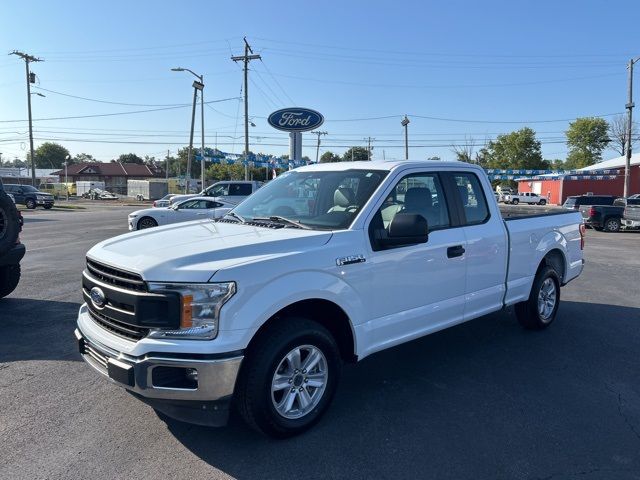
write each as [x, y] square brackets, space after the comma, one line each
[295, 119]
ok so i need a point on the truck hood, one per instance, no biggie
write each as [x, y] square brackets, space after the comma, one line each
[195, 251]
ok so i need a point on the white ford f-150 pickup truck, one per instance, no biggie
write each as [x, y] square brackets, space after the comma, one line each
[260, 310]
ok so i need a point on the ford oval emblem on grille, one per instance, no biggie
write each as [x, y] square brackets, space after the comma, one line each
[97, 297]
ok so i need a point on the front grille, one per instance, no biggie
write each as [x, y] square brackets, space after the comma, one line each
[130, 332]
[116, 277]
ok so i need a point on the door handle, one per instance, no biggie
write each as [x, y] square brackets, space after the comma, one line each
[456, 251]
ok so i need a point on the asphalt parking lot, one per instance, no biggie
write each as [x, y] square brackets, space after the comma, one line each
[484, 400]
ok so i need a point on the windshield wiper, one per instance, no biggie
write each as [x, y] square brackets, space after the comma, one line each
[279, 219]
[236, 216]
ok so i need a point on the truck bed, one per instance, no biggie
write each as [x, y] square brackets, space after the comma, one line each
[524, 211]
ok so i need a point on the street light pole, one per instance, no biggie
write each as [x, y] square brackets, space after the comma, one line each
[197, 85]
[405, 123]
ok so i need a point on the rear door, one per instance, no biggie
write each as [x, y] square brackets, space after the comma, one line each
[486, 245]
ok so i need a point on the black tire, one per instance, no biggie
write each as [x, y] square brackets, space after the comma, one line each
[528, 312]
[48, 207]
[9, 223]
[9, 279]
[30, 203]
[515, 201]
[612, 224]
[146, 222]
[542, 202]
[254, 399]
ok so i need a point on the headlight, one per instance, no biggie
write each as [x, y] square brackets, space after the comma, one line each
[200, 311]
[40, 197]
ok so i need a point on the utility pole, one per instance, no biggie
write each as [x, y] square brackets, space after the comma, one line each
[368, 139]
[629, 106]
[318, 145]
[187, 175]
[246, 58]
[166, 173]
[405, 123]
[202, 162]
[27, 59]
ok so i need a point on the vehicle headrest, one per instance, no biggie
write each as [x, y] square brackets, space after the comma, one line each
[417, 198]
[344, 197]
[464, 194]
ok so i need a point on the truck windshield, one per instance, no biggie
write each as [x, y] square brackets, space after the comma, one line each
[319, 199]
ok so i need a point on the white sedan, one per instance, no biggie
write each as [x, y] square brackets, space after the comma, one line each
[199, 208]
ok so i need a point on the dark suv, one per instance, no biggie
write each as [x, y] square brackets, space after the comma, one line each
[30, 196]
[11, 250]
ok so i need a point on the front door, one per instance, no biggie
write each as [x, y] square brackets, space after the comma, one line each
[419, 288]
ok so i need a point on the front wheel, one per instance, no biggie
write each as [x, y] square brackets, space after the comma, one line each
[9, 279]
[540, 310]
[612, 225]
[147, 222]
[288, 378]
[48, 207]
[515, 201]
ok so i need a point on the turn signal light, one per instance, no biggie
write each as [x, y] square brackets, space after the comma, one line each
[186, 319]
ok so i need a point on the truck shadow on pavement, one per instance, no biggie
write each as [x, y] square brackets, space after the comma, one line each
[485, 399]
[37, 330]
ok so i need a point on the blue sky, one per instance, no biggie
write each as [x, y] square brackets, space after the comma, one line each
[460, 69]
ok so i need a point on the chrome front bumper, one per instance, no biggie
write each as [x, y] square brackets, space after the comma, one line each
[216, 377]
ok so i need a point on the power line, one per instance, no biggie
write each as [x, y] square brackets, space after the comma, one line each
[114, 114]
[277, 82]
[113, 103]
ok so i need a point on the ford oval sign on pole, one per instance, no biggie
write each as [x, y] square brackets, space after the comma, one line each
[295, 119]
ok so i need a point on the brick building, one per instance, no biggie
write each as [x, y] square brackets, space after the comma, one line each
[559, 188]
[113, 174]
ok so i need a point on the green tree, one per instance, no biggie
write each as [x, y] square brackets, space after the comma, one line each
[587, 137]
[328, 157]
[515, 150]
[50, 155]
[83, 158]
[130, 158]
[355, 154]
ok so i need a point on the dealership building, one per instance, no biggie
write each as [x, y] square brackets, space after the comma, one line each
[587, 180]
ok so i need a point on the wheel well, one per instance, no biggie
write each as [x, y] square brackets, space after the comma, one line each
[555, 259]
[327, 314]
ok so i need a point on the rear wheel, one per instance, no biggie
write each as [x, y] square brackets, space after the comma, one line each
[9, 279]
[540, 310]
[30, 203]
[542, 202]
[515, 201]
[612, 225]
[146, 222]
[288, 378]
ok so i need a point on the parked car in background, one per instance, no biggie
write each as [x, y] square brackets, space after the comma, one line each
[58, 190]
[30, 196]
[631, 214]
[234, 191]
[11, 250]
[583, 204]
[609, 217]
[199, 208]
[526, 197]
[164, 201]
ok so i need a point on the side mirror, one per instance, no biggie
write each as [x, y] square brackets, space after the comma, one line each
[405, 229]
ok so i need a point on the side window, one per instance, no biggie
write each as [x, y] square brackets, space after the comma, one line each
[240, 189]
[218, 190]
[471, 193]
[421, 194]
